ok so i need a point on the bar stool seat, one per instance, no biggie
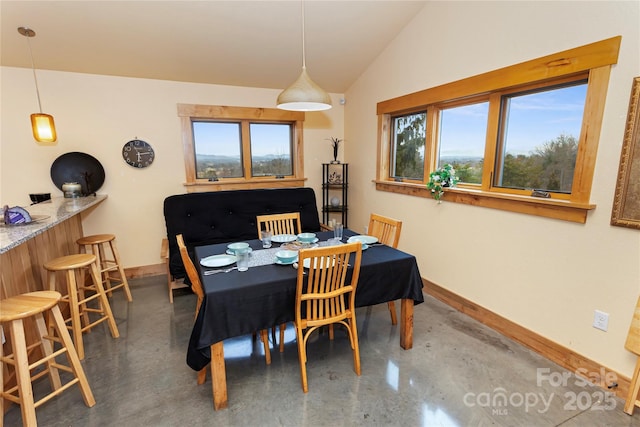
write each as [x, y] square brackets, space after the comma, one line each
[14, 311]
[103, 246]
[74, 266]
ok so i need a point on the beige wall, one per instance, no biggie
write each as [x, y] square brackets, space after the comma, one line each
[97, 115]
[546, 275]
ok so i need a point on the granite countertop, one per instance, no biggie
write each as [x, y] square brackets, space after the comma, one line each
[48, 215]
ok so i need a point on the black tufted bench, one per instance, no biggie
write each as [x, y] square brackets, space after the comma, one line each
[227, 216]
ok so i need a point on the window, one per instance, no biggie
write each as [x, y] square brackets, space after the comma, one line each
[462, 135]
[236, 147]
[523, 138]
[539, 139]
[271, 149]
[408, 148]
[218, 149]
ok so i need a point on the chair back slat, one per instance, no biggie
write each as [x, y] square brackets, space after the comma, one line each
[387, 230]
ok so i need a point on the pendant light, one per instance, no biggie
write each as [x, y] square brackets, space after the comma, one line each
[304, 94]
[42, 125]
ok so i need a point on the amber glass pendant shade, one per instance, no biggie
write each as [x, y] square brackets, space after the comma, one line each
[44, 129]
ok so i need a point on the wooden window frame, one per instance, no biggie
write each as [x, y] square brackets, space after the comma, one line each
[592, 61]
[189, 113]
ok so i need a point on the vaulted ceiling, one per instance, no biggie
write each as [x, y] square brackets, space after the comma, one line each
[242, 43]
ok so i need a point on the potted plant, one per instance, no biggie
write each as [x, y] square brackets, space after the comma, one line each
[335, 142]
[442, 177]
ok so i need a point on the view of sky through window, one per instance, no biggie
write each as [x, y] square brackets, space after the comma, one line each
[534, 119]
[222, 139]
[540, 117]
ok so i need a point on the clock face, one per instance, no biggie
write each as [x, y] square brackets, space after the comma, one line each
[138, 154]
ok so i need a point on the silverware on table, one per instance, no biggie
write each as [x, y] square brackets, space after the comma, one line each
[226, 270]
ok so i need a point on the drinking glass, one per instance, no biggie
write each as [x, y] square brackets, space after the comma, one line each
[242, 256]
[337, 231]
[266, 239]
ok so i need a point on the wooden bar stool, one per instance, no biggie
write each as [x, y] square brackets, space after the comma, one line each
[74, 267]
[108, 261]
[13, 311]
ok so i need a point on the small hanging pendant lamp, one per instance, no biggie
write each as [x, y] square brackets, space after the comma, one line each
[304, 94]
[42, 125]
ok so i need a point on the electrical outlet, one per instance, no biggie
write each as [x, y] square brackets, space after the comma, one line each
[601, 320]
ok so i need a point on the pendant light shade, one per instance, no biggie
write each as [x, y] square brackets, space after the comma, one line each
[44, 129]
[304, 94]
[42, 125]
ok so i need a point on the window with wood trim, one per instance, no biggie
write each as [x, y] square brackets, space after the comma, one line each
[522, 138]
[238, 147]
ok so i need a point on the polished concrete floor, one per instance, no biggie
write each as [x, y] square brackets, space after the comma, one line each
[459, 373]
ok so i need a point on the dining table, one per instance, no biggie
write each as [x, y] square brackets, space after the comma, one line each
[239, 303]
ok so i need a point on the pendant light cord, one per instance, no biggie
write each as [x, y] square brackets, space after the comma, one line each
[33, 67]
[304, 64]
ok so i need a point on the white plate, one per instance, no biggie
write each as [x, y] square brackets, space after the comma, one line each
[232, 252]
[286, 263]
[218, 260]
[284, 238]
[307, 262]
[363, 239]
[310, 243]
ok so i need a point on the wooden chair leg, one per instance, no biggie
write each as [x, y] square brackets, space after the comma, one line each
[302, 358]
[106, 307]
[22, 373]
[76, 326]
[123, 277]
[353, 331]
[392, 310]
[47, 350]
[634, 387]
[72, 357]
[282, 328]
[202, 375]
[264, 335]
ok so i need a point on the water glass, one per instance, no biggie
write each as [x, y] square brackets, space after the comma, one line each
[337, 231]
[266, 239]
[242, 259]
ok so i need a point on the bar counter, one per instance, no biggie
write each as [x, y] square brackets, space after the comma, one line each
[25, 248]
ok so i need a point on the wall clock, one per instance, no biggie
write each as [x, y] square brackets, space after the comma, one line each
[138, 153]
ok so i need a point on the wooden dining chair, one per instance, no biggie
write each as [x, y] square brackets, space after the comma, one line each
[387, 230]
[323, 297]
[284, 223]
[198, 289]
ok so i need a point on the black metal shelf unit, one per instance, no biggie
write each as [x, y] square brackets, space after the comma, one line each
[335, 185]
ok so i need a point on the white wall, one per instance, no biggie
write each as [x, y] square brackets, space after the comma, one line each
[97, 115]
[546, 275]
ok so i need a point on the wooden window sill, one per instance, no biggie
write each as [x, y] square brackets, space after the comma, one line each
[549, 208]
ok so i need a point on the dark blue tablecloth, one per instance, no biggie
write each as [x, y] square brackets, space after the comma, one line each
[240, 303]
